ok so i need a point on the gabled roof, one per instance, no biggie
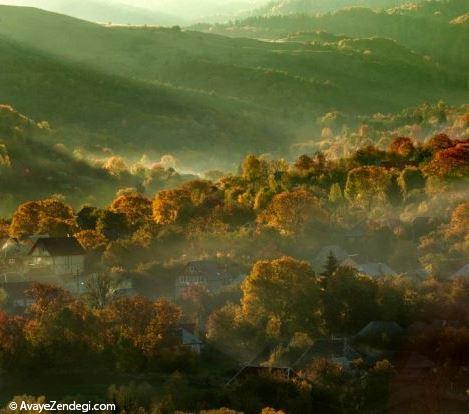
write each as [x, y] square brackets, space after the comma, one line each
[334, 349]
[248, 371]
[59, 246]
[375, 328]
[299, 358]
[463, 272]
[376, 269]
[209, 269]
[188, 338]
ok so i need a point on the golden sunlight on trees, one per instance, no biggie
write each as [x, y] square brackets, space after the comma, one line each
[282, 297]
[50, 216]
[91, 240]
[172, 206]
[367, 185]
[293, 212]
[115, 166]
[136, 208]
[452, 162]
[459, 224]
[254, 169]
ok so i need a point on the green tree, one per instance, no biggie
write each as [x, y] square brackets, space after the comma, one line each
[267, 297]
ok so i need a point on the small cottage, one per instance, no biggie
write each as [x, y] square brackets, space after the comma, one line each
[212, 275]
[57, 256]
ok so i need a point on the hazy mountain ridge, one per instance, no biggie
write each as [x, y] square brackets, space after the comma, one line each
[192, 94]
[280, 7]
[425, 28]
[102, 11]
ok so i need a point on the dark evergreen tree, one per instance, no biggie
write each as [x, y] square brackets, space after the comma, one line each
[331, 265]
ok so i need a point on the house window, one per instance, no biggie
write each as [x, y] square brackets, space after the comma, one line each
[11, 261]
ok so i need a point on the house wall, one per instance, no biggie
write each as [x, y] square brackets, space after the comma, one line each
[60, 265]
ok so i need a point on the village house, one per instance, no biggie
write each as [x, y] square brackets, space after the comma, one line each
[188, 338]
[14, 257]
[375, 270]
[56, 256]
[212, 275]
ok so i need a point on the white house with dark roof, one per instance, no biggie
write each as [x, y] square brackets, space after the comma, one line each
[57, 256]
[210, 274]
[14, 257]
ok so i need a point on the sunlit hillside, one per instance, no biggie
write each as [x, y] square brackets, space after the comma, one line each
[167, 90]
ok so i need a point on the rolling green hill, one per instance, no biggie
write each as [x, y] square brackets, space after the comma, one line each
[427, 28]
[206, 98]
[31, 169]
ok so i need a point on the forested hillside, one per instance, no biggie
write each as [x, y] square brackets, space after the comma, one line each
[165, 90]
[429, 28]
[279, 7]
[29, 168]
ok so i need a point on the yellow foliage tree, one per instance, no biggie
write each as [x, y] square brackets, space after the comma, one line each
[292, 212]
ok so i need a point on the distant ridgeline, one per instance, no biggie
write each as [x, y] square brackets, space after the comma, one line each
[209, 99]
[279, 7]
[434, 28]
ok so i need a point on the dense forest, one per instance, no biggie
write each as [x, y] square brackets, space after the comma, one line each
[268, 214]
[408, 198]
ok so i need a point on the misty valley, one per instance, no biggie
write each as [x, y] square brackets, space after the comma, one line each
[234, 207]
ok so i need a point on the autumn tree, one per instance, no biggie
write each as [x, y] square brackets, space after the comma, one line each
[172, 206]
[112, 225]
[49, 216]
[138, 330]
[60, 328]
[439, 142]
[367, 185]
[87, 217]
[342, 311]
[459, 223]
[268, 292]
[92, 241]
[452, 162]
[14, 349]
[402, 146]
[115, 166]
[99, 289]
[410, 179]
[254, 169]
[293, 212]
[134, 206]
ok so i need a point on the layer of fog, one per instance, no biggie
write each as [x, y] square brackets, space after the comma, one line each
[159, 12]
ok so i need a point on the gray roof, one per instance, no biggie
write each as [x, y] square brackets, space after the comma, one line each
[209, 269]
[375, 328]
[463, 272]
[60, 246]
[376, 269]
